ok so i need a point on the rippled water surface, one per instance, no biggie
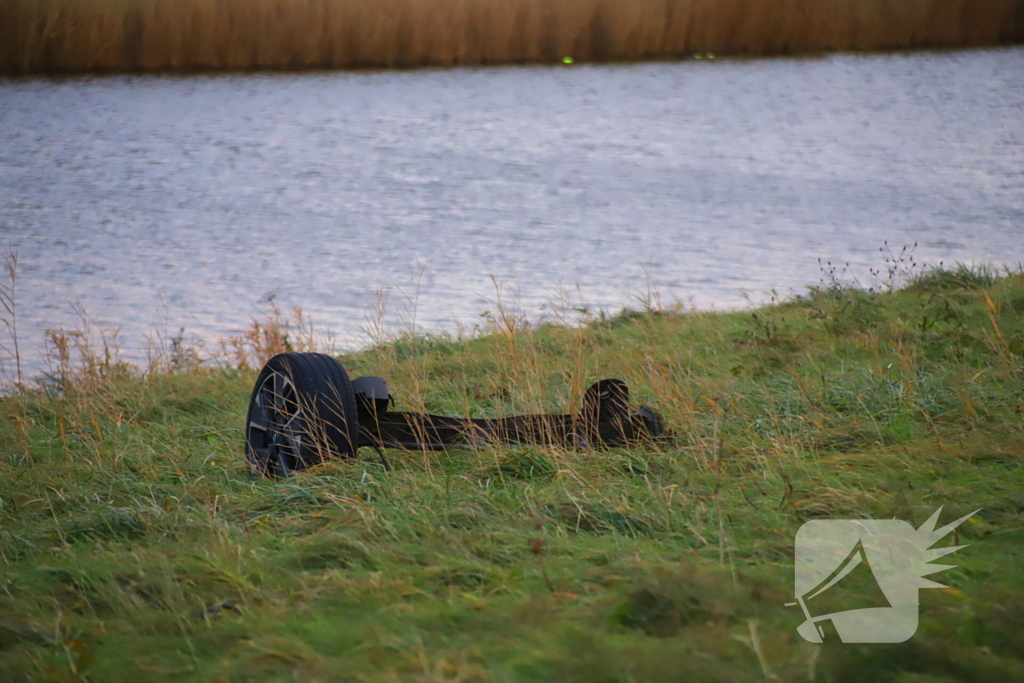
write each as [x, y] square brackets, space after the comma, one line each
[716, 178]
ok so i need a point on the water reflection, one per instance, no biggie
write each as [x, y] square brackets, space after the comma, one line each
[715, 178]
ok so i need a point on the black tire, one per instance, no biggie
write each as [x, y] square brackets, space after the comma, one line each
[302, 412]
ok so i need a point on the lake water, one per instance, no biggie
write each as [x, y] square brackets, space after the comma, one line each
[715, 179]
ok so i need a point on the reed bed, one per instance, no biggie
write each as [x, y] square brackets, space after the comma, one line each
[39, 36]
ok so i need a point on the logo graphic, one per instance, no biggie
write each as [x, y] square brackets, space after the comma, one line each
[880, 562]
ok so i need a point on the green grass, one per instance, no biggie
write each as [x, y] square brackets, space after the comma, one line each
[136, 546]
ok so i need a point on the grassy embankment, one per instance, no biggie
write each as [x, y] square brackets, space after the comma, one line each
[135, 545]
[45, 36]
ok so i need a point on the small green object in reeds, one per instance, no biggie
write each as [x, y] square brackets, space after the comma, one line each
[567, 60]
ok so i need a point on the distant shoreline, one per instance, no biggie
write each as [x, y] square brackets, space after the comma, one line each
[139, 36]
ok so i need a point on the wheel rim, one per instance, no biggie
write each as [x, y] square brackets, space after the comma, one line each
[274, 433]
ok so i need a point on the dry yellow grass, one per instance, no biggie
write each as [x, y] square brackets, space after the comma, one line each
[142, 35]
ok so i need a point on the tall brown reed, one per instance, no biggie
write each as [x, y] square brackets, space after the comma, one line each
[278, 332]
[142, 35]
[9, 316]
[85, 356]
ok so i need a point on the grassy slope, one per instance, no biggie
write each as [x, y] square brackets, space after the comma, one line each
[128, 515]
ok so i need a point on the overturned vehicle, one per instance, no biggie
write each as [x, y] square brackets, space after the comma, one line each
[305, 410]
